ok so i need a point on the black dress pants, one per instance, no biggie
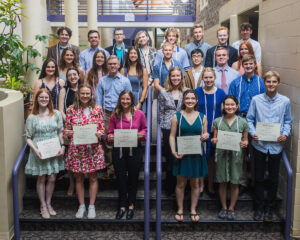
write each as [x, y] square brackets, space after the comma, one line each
[273, 169]
[127, 170]
[170, 183]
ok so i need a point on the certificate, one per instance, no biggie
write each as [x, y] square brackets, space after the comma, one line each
[268, 131]
[229, 140]
[85, 134]
[49, 148]
[125, 138]
[189, 145]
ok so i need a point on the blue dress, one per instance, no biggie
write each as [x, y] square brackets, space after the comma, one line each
[193, 165]
[137, 88]
[220, 95]
[54, 92]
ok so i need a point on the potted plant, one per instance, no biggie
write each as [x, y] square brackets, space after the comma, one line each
[14, 56]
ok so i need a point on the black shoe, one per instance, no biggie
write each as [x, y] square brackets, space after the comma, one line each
[268, 216]
[120, 214]
[242, 190]
[129, 214]
[258, 215]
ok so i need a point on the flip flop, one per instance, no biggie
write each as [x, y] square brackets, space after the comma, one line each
[180, 217]
[194, 216]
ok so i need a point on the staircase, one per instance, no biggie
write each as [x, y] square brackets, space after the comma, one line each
[104, 226]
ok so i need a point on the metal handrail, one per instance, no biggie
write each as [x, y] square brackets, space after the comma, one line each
[147, 168]
[15, 172]
[158, 177]
[288, 214]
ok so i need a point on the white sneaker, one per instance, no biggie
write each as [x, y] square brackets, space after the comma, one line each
[81, 211]
[92, 212]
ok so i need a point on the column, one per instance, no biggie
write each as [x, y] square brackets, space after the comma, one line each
[92, 15]
[234, 29]
[34, 24]
[71, 19]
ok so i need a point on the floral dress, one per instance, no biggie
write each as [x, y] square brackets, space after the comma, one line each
[85, 158]
[39, 131]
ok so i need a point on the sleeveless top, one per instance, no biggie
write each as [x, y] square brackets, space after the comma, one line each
[137, 86]
[54, 92]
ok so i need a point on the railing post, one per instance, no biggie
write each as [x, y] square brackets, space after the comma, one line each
[15, 172]
[289, 196]
[147, 16]
[158, 177]
[147, 168]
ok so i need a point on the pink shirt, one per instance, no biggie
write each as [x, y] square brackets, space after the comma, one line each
[138, 122]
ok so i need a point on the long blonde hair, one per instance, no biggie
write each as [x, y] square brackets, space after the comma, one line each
[169, 86]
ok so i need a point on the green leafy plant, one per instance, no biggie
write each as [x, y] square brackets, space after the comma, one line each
[14, 56]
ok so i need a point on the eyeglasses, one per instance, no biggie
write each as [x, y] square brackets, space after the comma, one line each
[112, 64]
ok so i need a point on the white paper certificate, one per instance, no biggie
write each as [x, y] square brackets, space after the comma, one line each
[125, 138]
[49, 148]
[268, 131]
[189, 145]
[85, 134]
[229, 140]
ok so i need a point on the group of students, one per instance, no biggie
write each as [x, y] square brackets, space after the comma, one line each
[200, 90]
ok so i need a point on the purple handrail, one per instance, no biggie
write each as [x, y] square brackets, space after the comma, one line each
[288, 197]
[147, 167]
[15, 172]
[158, 177]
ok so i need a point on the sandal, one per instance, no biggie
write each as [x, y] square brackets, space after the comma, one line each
[195, 217]
[223, 213]
[51, 210]
[180, 219]
[231, 215]
[44, 212]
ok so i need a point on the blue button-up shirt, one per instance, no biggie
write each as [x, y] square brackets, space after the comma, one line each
[193, 45]
[109, 89]
[245, 89]
[275, 110]
[86, 57]
[161, 71]
[178, 54]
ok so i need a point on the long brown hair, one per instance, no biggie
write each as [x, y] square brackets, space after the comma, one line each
[119, 109]
[43, 71]
[92, 78]
[35, 109]
[76, 102]
[62, 63]
[139, 65]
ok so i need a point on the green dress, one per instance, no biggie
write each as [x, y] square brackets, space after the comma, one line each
[229, 164]
[38, 131]
[195, 165]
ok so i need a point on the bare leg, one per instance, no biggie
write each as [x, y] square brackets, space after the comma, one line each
[211, 174]
[201, 184]
[80, 187]
[93, 187]
[50, 188]
[181, 183]
[222, 192]
[71, 183]
[195, 192]
[234, 194]
[40, 189]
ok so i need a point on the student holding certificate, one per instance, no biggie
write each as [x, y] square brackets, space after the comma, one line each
[188, 122]
[272, 111]
[210, 101]
[84, 127]
[170, 100]
[43, 125]
[229, 163]
[127, 160]
[66, 99]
